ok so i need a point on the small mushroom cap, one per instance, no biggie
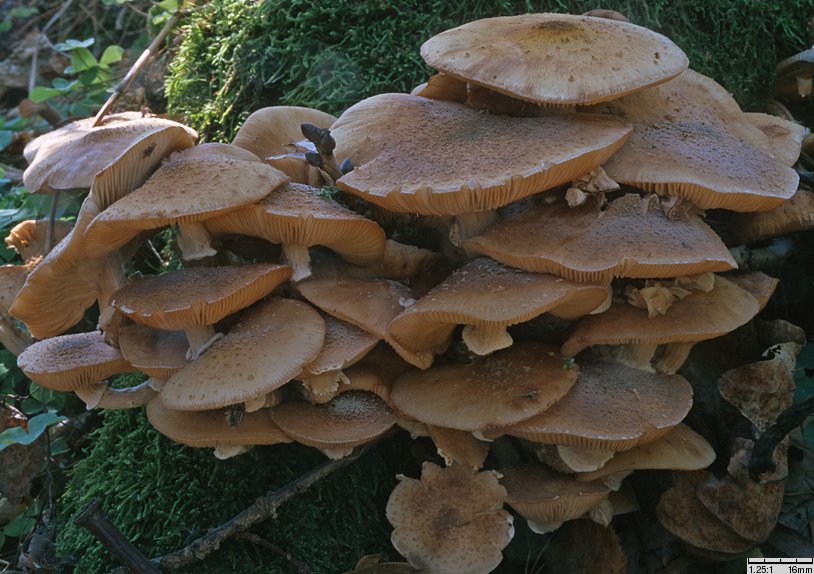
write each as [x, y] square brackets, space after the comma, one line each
[509, 386]
[781, 139]
[544, 496]
[183, 190]
[350, 419]
[269, 131]
[611, 406]
[211, 429]
[459, 447]
[680, 449]
[12, 279]
[70, 157]
[757, 284]
[442, 87]
[158, 354]
[450, 521]
[796, 214]
[263, 351]
[633, 237]
[297, 214]
[197, 296]
[28, 237]
[72, 361]
[484, 293]
[696, 317]
[407, 153]
[345, 344]
[553, 58]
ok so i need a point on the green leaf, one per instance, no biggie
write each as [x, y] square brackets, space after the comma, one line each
[81, 60]
[169, 5]
[36, 426]
[22, 12]
[25, 521]
[111, 55]
[6, 137]
[41, 93]
[63, 84]
[71, 44]
[808, 434]
[59, 446]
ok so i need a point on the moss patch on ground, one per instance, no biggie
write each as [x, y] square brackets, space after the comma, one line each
[163, 495]
[238, 56]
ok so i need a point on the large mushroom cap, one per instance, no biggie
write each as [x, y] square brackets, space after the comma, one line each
[557, 59]
[450, 521]
[435, 157]
[269, 131]
[156, 353]
[506, 387]
[27, 238]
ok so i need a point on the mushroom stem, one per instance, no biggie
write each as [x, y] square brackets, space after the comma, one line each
[323, 387]
[194, 241]
[111, 279]
[471, 224]
[100, 395]
[670, 356]
[12, 338]
[583, 459]
[300, 260]
[486, 339]
[636, 355]
[224, 452]
[200, 339]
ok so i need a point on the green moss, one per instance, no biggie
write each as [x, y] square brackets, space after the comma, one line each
[163, 495]
[238, 56]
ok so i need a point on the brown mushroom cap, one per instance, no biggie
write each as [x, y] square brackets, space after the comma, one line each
[350, 419]
[12, 279]
[441, 87]
[459, 447]
[269, 131]
[451, 520]
[696, 317]
[554, 59]
[71, 361]
[781, 138]
[197, 296]
[263, 351]
[158, 354]
[509, 386]
[183, 190]
[408, 158]
[796, 214]
[70, 157]
[28, 237]
[611, 406]
[211, 428]
[633, 237]
[488, 297]
[758, 284]
[345, 345]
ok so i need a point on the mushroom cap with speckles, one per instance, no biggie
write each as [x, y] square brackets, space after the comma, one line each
[266, 348]
[450, 521]
[796, 214]
[507, 387]
[197, 296]
[409, 155]
[555, 59]
[345, 344]
[69, 362]
[154, 352]
[268, 131]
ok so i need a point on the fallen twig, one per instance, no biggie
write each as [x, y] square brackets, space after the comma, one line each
[793, 416]
[300, 566]
[32, 78]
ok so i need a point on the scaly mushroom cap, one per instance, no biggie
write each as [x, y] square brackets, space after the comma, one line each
[183, 190]
[612, 406]
[158, 354]
[459, 447]
[555, 58]
[450, 521]
[297, 214]
[70, 157]
[408, 155]
[488, 297]
[27, 238]
[633, 237]
[796, 214]
[696, 317]
[345, 344]
[69, 362]
[781, 139]
[211, 429]
[263, 351]
[547, 498]
[349, 420]
[680, 147]
[509, 386]
[270, 131]
[197, 296]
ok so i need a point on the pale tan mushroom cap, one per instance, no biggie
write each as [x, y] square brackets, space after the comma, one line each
[441, 87]
[297, 214]
[345, 344]
[12, 279]
[268, 131]
[544, 496]
[350, 419]
[781, 138]
[197, 296]
[450, 521]
[484, 293]
[509, 386]
[68, 158]
[27, 238]
[156, 353]
[696, 317]
[435, 157]
[796, 214]
[558, 59]
[459, 447]
[72, 361]
[612, 406]
[757, 284]
[633, 237]
[211, 429]
[183, 190]
[263, 351]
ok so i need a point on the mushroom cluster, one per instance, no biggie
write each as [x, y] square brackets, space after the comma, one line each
[547, 307]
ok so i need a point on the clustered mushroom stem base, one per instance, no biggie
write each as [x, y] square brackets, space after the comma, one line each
[484, 340]
[471, 224]
[200, 339]
[671, 356]
[636, 355]
[194, 241]
[300, 260]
